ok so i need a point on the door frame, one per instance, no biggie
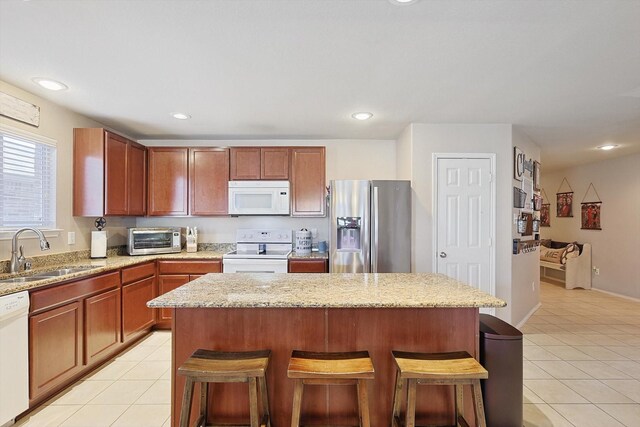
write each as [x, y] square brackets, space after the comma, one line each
[492, 221]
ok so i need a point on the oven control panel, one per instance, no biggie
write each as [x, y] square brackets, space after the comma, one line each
[251, 235]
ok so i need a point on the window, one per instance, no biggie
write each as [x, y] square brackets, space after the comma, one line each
[27, 180]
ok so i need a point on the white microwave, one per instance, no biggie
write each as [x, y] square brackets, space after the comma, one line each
[258, 197]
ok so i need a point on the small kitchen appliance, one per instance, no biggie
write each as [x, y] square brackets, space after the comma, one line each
[258, 197]
[259, 251]
[99, 240]
[147, 241]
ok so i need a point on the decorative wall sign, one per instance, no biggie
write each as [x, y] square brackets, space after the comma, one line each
[564, 205]
[17, 109]
[518, 163]
[591, 216]
[545, 215]
[536, 176]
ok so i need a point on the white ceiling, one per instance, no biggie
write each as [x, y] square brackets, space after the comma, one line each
[566, 73]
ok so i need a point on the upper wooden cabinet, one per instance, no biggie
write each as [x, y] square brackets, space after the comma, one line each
[308, 181]
[252, 163]
[188, 181]
[109, 174]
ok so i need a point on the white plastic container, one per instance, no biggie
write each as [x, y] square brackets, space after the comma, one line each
[303, 242]
[192, 239]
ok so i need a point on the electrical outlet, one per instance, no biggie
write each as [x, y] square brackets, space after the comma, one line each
[314, 233]
[71, 238]
[596, 270]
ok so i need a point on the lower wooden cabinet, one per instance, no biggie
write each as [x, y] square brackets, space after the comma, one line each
[101, 325]
[308, 266]
[168, 283]
[136, 316]
[55, 348]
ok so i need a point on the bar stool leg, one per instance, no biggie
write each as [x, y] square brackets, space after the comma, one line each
[265, 399]
[253, 402]
[363, 403]
[185, 411]
[397, 398]
[459, 391]
[410, 419]
[297, 403]
[204, 401]
[478, 404]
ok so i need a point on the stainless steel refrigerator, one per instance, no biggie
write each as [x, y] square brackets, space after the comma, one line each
[370, 227]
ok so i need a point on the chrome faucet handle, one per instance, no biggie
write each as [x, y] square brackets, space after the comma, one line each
[27, 265]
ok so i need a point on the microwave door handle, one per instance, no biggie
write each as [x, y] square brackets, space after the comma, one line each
[374, 227]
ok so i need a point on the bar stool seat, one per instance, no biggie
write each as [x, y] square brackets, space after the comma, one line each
[207, 366]
[317, 368]
[455, 368]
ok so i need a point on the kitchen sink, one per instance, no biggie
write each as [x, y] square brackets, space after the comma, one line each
[21, 279]
[62, 271]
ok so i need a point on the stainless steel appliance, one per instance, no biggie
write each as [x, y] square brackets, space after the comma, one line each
[258, 197]
[370, 228]
[145, 241]
[259, 251]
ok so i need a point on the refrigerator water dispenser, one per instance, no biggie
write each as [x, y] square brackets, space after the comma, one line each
[348, 232]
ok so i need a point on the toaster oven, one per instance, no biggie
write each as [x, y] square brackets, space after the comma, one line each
[147, 241]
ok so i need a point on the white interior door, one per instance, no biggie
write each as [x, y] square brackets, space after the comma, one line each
[464, 221]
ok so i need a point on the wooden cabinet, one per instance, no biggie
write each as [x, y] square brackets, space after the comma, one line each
[55, 348]
[168, 181]
[109, 174]
[253, 163]
[208, 181]
[102, 325]
[138, 287]
[317, 265]
[173, 274]
[188, 181]
[308, 181]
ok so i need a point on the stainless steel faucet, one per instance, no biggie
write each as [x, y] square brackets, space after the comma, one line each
[17, 261]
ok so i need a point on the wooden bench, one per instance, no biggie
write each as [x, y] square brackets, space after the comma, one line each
[576, 273]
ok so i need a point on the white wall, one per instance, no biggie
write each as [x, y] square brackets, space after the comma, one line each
[525, 268]
[615, 247]
[57, 123]
[345, 159]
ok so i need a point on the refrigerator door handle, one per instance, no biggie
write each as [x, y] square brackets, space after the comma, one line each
[374, 227]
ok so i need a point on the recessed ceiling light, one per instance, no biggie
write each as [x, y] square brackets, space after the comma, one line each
[49, 84]
[180, 116]
[607, 147]
[402, 2]
[363, 115]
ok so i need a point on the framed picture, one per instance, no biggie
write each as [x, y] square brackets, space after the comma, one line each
[518, 163]
[545, 216]
[590, 213]
[536, 176]
[564, 205]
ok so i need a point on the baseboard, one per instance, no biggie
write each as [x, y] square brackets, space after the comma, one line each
[616, 294]
[529, 314]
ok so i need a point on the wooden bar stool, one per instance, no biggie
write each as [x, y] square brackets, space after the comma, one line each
[206, 366]
[331, 369]
[457, 369]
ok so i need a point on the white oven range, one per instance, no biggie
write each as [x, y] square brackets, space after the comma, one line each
[259, 251]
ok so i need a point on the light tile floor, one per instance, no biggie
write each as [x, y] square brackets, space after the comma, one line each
[581, 369]
[582, 360]
[133, 390]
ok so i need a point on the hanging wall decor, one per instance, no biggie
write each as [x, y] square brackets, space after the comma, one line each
[564, 207]
[590, 211]
[545, 216]
[536, 175]
[518, 163]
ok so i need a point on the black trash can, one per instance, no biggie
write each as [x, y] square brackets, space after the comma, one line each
[501, 355]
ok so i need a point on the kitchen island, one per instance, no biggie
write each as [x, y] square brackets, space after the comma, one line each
[323, 312]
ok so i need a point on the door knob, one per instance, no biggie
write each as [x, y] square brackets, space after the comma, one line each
[443, 255]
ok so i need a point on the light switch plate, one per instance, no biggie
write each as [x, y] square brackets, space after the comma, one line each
[71, 238]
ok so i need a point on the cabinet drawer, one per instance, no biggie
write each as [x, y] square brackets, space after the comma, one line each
[307, 266]
[138, 272]
[189, 267]
[57, 295]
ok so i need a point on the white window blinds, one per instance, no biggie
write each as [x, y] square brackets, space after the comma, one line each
[27, 181]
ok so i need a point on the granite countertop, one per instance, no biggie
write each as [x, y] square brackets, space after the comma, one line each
[312, 255]
[97, 266]
[325, 290]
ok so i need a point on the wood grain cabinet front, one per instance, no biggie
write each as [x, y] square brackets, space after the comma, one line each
[254, 163]
[102, 325]
[308, 266]
[109, 174]
[308, 181]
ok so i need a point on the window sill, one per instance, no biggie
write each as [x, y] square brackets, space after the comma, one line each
[7, 234]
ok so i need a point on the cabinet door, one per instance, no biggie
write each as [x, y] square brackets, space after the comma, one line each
[209, 181]
[244, 163]
[55, 348]
[308, 266]
[168, 283]
[136, 316]
[274, 163]
[137, 179]
[102, 325]
[115, 180]
[308, 181]
[168, 181]
[88, 172]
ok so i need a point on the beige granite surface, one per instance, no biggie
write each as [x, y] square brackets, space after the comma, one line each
[325, 290]
[312, 255]
[110, 263]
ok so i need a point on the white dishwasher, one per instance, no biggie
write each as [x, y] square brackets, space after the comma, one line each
[14, 356]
